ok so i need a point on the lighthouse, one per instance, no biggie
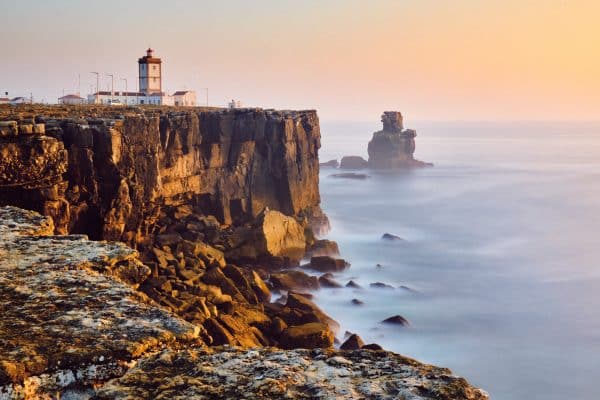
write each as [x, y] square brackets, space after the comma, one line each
[150, 76]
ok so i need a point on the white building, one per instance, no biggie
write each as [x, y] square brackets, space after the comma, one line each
[150, 84]
[20, 100]
[184, 98]
[71, 99]
[234, 104]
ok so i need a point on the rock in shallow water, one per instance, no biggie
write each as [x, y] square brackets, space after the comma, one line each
[353, 162]
[396, 320]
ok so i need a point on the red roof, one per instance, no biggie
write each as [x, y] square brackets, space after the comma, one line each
[181, 92]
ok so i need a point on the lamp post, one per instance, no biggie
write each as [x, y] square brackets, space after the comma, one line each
[206, 89]
[97, 86]
[112, 87]
[126, 100]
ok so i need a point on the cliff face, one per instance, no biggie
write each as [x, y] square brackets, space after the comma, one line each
[394, 146]
[121, 170]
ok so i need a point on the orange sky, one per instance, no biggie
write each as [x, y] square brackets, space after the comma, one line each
[349, 59]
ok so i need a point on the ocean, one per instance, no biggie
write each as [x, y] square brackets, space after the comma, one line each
[499, 270]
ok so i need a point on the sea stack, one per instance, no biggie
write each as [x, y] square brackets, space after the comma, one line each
[393, 147]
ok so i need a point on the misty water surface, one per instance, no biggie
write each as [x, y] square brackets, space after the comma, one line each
[501, 249]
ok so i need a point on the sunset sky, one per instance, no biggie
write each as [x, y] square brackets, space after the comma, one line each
[433, 60]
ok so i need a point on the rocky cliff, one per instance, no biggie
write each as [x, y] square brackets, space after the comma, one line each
[393, 146]
[73, 326]
[203, 196]
[111, 173]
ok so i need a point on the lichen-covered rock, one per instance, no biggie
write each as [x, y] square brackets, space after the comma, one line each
[64, 322]
[393, 147]
[294, 374]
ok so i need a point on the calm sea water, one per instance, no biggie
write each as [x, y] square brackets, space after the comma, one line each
[502, 249]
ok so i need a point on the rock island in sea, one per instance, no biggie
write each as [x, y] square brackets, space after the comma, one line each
[391, 148]
[197, 218]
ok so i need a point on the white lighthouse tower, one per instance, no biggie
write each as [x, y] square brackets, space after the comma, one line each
[150, 75]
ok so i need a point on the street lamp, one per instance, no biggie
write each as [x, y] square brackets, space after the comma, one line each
[205, 88]
[97, 86]
[112, 87]
[126, 100]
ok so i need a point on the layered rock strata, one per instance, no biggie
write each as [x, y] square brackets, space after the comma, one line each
[109, 174]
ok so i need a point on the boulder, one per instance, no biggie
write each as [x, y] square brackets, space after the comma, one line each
[390, 237]
[297, 302]
[354, 342]
[381, 285]
[330, 163]
[351, 175]
[353, 162]
[372, 346]
[208, 254]
[273, 235]
[328, 282]
[327, 264]
[293, 280]
[353, 285]
[307, 336]
[324, 247]
[357, 302]
[396, 320]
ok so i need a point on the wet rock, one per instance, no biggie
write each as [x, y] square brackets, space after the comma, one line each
[330, 163]
[354, 342]
[372, 346]
[328, 281]
[351, 175]
[323, 247]
[357, 302]
[297, 374]
[390, 237]
[353, 162]
[353, 285]
[381, 285]
[307, 336]
[396, 320]
[327, 264]
[294, 280]
[304, 310]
